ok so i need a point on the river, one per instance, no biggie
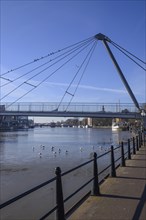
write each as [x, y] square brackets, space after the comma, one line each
[28, 158]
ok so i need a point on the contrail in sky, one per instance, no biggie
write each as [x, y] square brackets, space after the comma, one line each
[89, 87]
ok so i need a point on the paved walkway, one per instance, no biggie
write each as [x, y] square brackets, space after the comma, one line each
[122, 198]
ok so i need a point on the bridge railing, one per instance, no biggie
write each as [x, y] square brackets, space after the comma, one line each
[121, 152]
[73, 107]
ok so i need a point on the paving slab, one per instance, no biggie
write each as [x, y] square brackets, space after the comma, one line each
[122, 197]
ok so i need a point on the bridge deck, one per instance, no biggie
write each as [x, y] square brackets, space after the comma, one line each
[122, 198]
[97, 110]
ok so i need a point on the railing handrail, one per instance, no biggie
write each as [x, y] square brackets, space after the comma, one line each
[14, 199]
[43, 105]
[77, 167]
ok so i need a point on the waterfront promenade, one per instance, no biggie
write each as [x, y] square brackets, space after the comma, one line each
[122, 197]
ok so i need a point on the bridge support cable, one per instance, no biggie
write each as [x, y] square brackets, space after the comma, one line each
[75, 75]
[51, 60]
[84, 46]
[115, 44]
[45, 79]
[8, 81]
[43, 57]
[82, 75]
[105, 40]
[130, 57]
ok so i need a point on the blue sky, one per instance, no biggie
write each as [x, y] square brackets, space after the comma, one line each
[31, 29]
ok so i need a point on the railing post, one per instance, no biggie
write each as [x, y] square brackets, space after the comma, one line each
[113, 170]
[134, 146]
[137, 144]
[59, 196]
[129, 152]
[96, 190]
[122, 155]
[140, 140]
[141, 137]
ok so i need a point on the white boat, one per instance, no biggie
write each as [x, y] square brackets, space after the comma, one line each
[115, 126]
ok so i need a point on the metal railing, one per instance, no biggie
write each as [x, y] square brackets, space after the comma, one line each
[75, 107]
[132, 145]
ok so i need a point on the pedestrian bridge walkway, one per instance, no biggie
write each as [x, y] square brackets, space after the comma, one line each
[99, 110]
[122, 197]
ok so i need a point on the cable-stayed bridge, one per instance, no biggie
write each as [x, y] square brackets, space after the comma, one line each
[37, 75]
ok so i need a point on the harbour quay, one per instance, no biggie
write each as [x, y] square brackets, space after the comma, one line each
[122, 197]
